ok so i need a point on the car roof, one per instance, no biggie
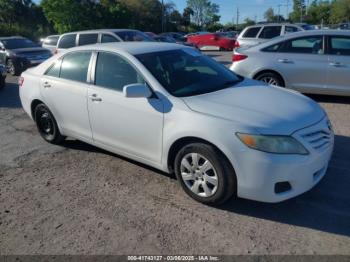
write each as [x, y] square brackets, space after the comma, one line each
[301, 34]
[11, 37]
[101, 30]
[133, 48]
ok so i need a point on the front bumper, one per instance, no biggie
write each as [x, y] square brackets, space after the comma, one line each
[259, 173]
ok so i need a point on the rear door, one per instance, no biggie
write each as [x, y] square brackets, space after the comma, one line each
[64, 87]
[303, 64]
[338, 75]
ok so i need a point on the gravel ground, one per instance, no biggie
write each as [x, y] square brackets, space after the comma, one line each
[78, 199]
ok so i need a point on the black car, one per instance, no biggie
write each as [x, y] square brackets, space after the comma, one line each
[2, 76]
[169, 39]
[179, 37]
[19, 53]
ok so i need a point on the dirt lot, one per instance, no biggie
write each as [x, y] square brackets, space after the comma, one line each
[77, 199]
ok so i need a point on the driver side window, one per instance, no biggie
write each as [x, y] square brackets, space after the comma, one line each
[114, 72]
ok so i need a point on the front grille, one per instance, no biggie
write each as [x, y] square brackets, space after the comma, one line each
[319, 140]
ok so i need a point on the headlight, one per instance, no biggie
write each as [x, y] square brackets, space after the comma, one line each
[273, 144]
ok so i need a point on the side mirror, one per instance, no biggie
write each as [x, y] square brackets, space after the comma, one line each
[137, 90]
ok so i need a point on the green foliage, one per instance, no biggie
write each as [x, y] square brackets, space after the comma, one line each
[340, 11]
[270, 16]
[205, 13]
[22, 17]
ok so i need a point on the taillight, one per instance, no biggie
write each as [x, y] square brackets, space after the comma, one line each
[237, 44]
[238, 57]
[20, 81]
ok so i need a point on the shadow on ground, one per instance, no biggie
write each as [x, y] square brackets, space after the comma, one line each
[331, 99]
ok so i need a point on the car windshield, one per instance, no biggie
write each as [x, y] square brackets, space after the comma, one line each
[131, 36]
[16, 43]
[186, 72]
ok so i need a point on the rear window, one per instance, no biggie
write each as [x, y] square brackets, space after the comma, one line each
[131, 36]
[252, 32]
[67, 41]
[340, 45]
[108, 39]
[88, 39]
[270, 32]
[51, 40]
[75, 66]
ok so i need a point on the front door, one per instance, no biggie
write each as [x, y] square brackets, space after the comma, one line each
[132, 126]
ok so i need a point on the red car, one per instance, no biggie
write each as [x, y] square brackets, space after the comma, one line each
[212, 41]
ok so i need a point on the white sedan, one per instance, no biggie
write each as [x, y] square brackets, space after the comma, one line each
[170, 107]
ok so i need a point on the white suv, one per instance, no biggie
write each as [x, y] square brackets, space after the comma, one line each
[256, 34]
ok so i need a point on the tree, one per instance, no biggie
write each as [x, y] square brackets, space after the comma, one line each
[298, 13]
[340, 11]
[186, 16]
[269, 15]
[204, 12]
[319, 12]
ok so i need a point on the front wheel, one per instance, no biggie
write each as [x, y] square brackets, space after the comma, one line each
[47, 125]
[205, 174]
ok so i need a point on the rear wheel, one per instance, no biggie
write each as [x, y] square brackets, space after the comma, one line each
[205, 174]
[11, 68]
[47, 125]
[271, 79]
[2, 82]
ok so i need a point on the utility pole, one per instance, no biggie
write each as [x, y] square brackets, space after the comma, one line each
[163, 16]
[287, 15]
[237, 17]
[279, 13]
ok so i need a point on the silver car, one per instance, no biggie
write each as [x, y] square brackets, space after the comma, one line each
[260, 33]
[316, 61]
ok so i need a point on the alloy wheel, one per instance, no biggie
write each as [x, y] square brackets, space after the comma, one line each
[199, 175]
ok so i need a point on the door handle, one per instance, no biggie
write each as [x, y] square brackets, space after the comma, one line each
[285, 61]
[336, 64]
[94, 98]
[47, 85]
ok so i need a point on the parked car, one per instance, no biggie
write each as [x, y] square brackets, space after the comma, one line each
[257, 34]
[316, 61]
[88, 37]
[50, 42]
[306, 26]
[212, 41]
[19, 53]
[344, 26]
[2, 76]
[151, 34]
[170, 107]
[179, 37]
[169, 39]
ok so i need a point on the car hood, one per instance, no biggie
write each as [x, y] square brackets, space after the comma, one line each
[31, 50]
[270, 110]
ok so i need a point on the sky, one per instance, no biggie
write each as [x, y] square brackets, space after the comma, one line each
[253, 9]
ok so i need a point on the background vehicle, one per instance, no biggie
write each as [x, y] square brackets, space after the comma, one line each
[2, 76]
[169, 39]
[344, 26]
[88, 37]
[229, 34]
[128, 97]
[257, 34]
[19, 53]
[306, 26]
[50, 42]
[212, 41]
[179, 37]
[316, 61]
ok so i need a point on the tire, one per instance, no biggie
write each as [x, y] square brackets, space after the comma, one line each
[12, 69]
[271, 79]
[47, 125]
[211, 184]
[2, 82]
